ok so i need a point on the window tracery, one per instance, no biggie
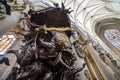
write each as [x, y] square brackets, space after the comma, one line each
[113, 36]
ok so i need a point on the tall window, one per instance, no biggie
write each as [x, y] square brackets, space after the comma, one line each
[113, 36]
[5, 43]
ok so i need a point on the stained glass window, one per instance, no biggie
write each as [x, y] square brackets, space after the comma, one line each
[113, 36]
[5, 42]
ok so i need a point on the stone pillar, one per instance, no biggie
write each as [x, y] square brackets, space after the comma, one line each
[105, 72]
[91, 69]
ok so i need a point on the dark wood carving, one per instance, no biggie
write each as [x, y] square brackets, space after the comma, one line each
[44, 56]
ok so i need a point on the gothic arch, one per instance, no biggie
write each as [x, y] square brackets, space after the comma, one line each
[107, 24]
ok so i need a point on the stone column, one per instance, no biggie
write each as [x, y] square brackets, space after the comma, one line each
[105, 72]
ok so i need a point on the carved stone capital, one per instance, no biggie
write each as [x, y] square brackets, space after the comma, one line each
[86, 42]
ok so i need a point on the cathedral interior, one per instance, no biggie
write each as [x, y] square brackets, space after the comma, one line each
[59, 39]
